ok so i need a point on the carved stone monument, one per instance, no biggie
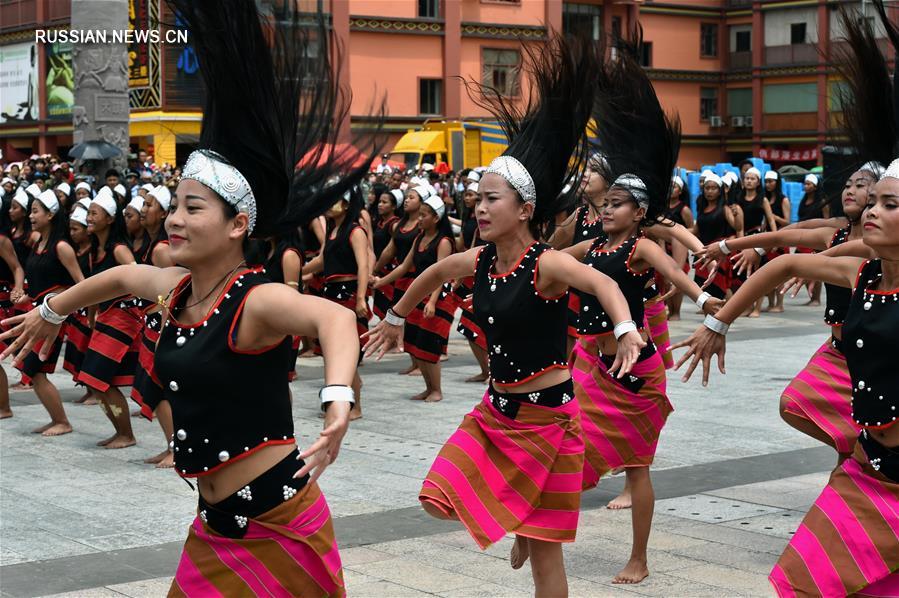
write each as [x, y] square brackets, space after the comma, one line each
[101, 107]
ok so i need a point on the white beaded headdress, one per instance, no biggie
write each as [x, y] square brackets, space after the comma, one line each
[635, 186]
[516, 175]
[204, 167]
[892, 170]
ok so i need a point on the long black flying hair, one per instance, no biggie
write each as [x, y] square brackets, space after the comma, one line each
[547, 135]
[632, 130]
[273, 105]
[871, 100]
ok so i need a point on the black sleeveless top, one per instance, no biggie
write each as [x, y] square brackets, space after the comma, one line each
[871, 345]
[676, 214]
[6, 275]
[837, 297]
[753, 214]
[526, 332]
[84, 261]
[614, 263]
[148, 247]
[44, 272]
[713, 226]
[585, 229]
[108, 261]
[777, 206]
[338, 255]
[20, 246]
[809, 211]
[310, 241]
[274, 268]
[226, 403]
[424, 258]
[469, 228]
[381, 235]
[403, 241]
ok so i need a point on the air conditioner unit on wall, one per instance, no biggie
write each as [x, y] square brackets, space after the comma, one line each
[737, 121]
[747, 121]
[716, 121]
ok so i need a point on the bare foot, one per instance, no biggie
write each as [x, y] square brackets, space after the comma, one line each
[57, 430]
[307, 354]
[355, 414]
[5, 413]
[83, 398]
[420, 396]
[622, 501]
[434, 397]
[776, 310]
[520, 552]
[157, 458]
[754, 314]
[136, 413]
[21, 386]
[813, 303]
[444, 357]
[167, 461]
[106, 441]
[121, 442]
[673, 317]
[634, 572]
[91, 400]
[482, 377]
[42, 429]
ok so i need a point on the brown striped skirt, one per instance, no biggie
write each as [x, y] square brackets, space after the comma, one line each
[288, 550]
[848, 542]
[623, 418]
[500, 475]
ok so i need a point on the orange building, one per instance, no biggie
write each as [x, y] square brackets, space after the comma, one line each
[746, 76]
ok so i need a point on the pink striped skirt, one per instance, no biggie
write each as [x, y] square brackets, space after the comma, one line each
[622, 419]
[499, 475]
[822, 394]
[848, 543]
[655, 315]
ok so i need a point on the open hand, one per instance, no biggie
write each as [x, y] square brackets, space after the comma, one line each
[28, 330]
[382, 338]
[629, 346]
[325, 449]
[701, 346]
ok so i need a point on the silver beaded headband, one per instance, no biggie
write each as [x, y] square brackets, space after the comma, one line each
[516, 175]
[224, 179]
[874, 167]
[635, 186]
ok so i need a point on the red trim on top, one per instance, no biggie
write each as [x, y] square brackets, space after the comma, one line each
[291, 440]
[873, 291]
[536, 273]
[477, 258]
[221, 298]
[588, 222]
[883, 427]
[387, 223]
[627, 262]
[515, 267]
[554, 366]
[333, 276]
[234, 323]
[50, 290]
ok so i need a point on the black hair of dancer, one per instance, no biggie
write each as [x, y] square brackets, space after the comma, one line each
[12, 288]
[520, 301]
[389, 206]
[227, 330]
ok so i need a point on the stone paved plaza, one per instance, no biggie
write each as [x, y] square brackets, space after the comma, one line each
[732, 483]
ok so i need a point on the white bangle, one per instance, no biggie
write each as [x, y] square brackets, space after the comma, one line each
[715, 325]
[336, 393]
[622, 328]
[47, 313]
[760, 251]
[722, 245]
[393, 319]
[703, 297]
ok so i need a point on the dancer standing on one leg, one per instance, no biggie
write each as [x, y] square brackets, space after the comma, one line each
[263, 525]
[512, 465]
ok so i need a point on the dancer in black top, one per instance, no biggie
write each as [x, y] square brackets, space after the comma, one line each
[389, 203]
[12, 285]
[678, 211]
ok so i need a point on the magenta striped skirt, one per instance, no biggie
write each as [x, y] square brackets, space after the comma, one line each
[655, 315]
[822, 394]
[499, 475]
[848, 543]
[622, 419]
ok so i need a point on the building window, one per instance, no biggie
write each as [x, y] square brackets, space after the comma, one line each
[429, 8]
[708, 102]
[743, 42]
[646, 54]
[797, 34]
[582, 19]
[501, 70]
[430, 92]
[708, 43]
[790, 98]
[739, 101]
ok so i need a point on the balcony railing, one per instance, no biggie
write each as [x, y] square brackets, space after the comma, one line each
[740, 60]
[739, 3]
[803, 121]
[792, 54]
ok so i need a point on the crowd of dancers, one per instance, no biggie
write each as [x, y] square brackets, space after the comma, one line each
[565, 256]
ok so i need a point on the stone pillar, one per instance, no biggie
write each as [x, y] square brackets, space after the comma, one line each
[101, 109]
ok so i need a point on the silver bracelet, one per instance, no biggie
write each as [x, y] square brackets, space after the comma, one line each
[703, 297]
[760, 251]
[622, 328]
[393, 319]
[336, 393]
[715, 325]
[722, 245]
[47, 313]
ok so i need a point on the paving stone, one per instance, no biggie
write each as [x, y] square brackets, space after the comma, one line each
[711, 509]
[779, 525]
[378, 589]
[740, 582]
[425, 578]
[147, 588]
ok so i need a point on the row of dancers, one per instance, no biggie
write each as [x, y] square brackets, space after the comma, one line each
[555, 418]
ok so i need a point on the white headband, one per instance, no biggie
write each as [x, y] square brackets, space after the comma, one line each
[64, 187]
[473, 176]
[516, 175]
[136, 204]
[83, 185]
[205, 167]
[436, 204]
[162, 195]
[714, 178]
[892, 170]
[678, 181]
[7, 180]
[21, 197]
[85, 203]
[50, 201]
[635, 186]
[811, 178]
[754, 171]
[120, 189]
[423, 191]
[706, 174]
[874, 167]
[729, 178]
[33, 190]
[106, 201]
[398, 195]
[771, 175]
[472, 187]
[78, 215]
[147, 187]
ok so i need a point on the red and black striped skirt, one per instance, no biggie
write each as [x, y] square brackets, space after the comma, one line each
[77, 332]
[112, 354]
[147, 390]
[426, 338]
[467, 326]
[345, 293]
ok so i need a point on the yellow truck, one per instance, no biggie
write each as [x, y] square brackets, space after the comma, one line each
[461, 144]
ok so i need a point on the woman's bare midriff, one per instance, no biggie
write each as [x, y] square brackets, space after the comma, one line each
[888, 437]
[221, 484]
[544, 380]
[837, 332]
[342, 278]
